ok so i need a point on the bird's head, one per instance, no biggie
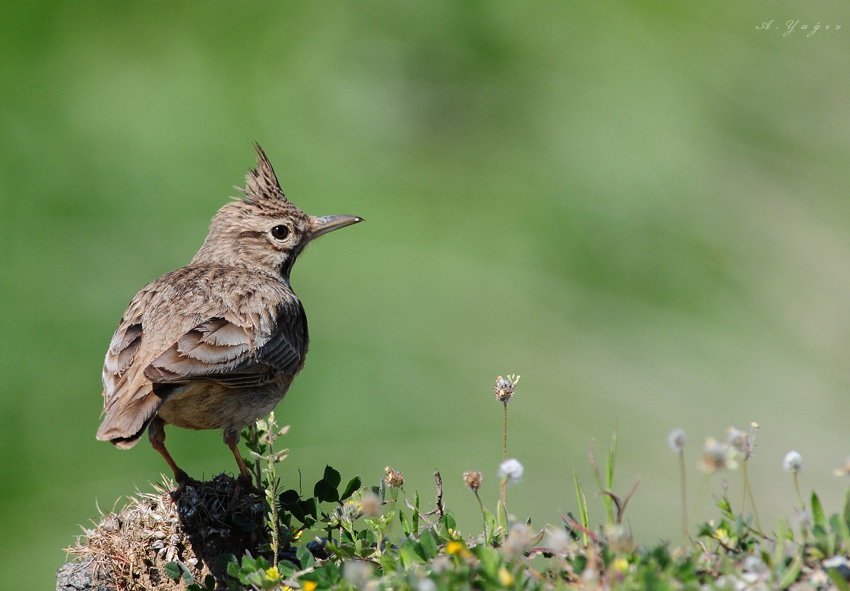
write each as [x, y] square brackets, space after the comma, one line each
[264, 230]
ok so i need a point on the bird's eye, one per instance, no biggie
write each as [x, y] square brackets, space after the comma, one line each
[280, 232]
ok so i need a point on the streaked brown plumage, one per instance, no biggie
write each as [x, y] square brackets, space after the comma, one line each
[215, 344]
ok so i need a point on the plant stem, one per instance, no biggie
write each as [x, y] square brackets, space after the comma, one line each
[701, 496]
[684, 495]
[483, 514]
[505, 445]
[799, 496]
[755, 511]
[504, 496]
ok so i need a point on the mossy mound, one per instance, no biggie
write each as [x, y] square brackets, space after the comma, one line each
[131, 548]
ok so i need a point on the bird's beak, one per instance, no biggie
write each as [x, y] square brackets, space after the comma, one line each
[329, 223]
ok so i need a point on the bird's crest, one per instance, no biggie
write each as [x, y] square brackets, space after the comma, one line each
[261, 184]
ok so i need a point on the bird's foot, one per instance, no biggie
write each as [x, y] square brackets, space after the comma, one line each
[183, 480]
[246, 482]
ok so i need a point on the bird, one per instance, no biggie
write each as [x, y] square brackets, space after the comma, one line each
[216, 344]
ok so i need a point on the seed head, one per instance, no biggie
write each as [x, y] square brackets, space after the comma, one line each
[473, 480]
[504, 388]
[518, 541]
[744, 443]
[677, 440]
[511, 470]
[370, 504]
[393, 478]
[716, 456]
[793, 462]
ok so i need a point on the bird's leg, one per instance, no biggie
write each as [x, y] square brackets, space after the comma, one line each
[156, 434]
[231, 438]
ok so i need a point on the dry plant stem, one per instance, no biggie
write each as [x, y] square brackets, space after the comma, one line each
[748, 492]
[703, 491]
[753, 503]
[505, 444]
[438, 480]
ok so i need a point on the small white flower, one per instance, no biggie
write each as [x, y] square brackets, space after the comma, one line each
[511, 470]
[677, 440]
[793, 462]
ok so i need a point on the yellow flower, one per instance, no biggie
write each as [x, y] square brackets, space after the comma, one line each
[273, 574]
[505, 577]
[309, 585]
[455, 547]
[621, 565]
[722, 536]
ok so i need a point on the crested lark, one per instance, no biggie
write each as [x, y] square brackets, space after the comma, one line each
[216, 344]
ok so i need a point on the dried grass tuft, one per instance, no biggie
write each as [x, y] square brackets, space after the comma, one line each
[129, 549]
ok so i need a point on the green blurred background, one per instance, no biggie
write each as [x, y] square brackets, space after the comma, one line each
[639, 207]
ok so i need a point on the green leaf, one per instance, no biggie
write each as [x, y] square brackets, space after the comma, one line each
[305, 557]
[341, 550]
[388, 563]
[725, 507]
[416, 514]
[173, 570]
[325, 492]
[233, 569]
[582, 507]
[489, 527]
[332, 476]
[405, 522]
[792, 573]
[845, 513]
[490, 559]
[838, 579]
[612, 458]
[429, 544]
[500, 516]
[410, 553]
[448, 523]
[353, 485]
[840, 527]
[286, 568]
[818, 517]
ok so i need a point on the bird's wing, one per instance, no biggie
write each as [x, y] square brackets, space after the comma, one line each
[197, 324]
[128, 399]
[236, 350]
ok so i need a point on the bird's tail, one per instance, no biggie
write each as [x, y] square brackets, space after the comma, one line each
[127, 418]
